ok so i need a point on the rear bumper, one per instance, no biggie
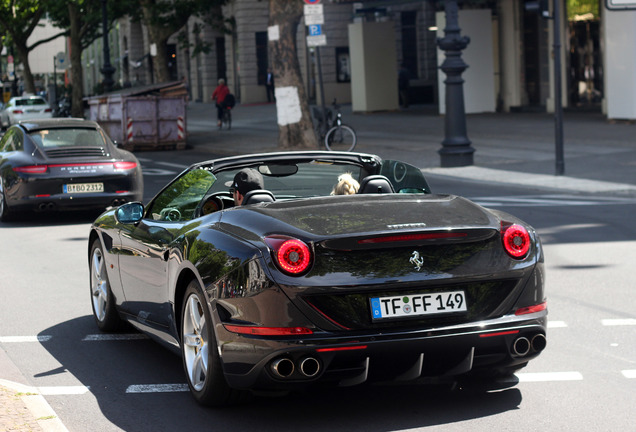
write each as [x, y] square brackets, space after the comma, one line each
[73, 202]
[398, 356]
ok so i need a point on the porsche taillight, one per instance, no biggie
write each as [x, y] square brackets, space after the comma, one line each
[516, 240]
[32, 169]
[124, 165]
[291, 255]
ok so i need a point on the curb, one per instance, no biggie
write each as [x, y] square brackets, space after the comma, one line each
[35, 403]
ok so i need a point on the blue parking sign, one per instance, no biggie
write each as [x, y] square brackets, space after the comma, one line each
[315, 30]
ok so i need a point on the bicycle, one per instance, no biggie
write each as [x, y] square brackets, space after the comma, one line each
[338, 136]
[227, 118]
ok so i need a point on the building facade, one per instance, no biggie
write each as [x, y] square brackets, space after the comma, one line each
[512, 52]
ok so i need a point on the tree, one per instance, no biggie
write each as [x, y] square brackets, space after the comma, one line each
[163, 18]
[19, 19]
[295, 127]
[82, 20]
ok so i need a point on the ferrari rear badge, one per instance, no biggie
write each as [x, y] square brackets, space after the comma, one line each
[416, 260]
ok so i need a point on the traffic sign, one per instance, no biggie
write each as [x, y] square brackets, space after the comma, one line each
[61, 60]
[318, 40]
[312, 2]
[314, 19]
[315, 30]
[312, 9]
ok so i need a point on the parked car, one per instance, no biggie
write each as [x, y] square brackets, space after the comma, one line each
[298, 287]
[24, 108]
[58, 164]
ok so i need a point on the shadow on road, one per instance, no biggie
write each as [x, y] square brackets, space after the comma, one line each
[108, 368]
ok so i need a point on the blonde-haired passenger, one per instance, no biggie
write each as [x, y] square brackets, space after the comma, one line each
[346, 185]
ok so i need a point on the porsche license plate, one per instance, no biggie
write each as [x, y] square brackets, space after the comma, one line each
[84, 187]
[414, 305]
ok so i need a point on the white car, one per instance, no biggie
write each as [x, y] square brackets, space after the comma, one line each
[24, 108]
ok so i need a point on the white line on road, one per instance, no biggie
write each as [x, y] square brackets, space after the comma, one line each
[556, 324]
[157, 388]
[63, 390]
[629, 373]
[113, 337]
[548, 376]
[619, 322]
[13, 339]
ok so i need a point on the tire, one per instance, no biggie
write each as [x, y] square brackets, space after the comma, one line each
[340, 138]
[102, 299]
[5, 214]
[201, 361]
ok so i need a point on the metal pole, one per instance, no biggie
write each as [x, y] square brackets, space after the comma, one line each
[558, 105]
[107, 70]
[322, 91]
[456, 150]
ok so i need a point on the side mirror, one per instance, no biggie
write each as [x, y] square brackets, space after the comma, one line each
[130, 213]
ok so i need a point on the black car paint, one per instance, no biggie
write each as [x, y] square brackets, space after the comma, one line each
[225, 252]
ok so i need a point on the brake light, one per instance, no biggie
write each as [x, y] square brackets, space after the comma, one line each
[32, 169]
[411, 237]
[125, 165]
[516, 240]
[532, 309]
[346, 348]
[18, 112]
[48, 110]
[267, 331]
[291, 255]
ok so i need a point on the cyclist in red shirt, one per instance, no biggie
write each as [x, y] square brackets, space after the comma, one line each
[219, 94]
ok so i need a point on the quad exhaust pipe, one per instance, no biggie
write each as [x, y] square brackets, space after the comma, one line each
[522, 345]
[284, 367]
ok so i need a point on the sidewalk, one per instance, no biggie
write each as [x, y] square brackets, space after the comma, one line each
[512, 148]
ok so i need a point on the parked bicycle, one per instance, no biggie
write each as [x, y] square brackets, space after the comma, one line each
[330, 130]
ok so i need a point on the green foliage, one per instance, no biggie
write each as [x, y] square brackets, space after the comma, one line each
[581, 7]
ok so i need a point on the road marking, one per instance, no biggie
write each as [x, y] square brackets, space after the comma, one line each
[629, 373]
[556, 324]
[550, 200]
[13, 339]
[63, 390]
[113, 337]
[619, 322]
[157, 388]
[549, 376]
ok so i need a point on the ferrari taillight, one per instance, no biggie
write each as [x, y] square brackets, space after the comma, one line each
[293, 256]
[516, 240]
[31, 169]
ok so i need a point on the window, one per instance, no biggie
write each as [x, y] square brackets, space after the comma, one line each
[179, 200]
[409, 42]
[343, 64]
[261, 58]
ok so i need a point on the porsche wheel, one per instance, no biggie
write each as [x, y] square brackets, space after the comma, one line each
[5, 215]
[201, 360]
[102, 299]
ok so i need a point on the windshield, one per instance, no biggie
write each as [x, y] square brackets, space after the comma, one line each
[30, 102]
[52, 138]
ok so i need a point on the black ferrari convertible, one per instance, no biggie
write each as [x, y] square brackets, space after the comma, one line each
[297, 286]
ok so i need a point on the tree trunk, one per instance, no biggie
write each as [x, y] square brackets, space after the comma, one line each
[23, 55]
[295, 127]
[77, 75]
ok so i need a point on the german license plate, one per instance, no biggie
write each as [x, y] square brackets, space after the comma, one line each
[84, 187]
[413, 305]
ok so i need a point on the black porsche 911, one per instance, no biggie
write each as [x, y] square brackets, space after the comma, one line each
[55, 164]
[297, 287]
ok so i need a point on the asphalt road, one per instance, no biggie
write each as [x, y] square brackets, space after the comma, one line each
[585, 380]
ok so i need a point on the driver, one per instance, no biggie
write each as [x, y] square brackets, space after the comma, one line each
[246, 180]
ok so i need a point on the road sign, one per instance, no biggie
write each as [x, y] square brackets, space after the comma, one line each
[61, 60]
[315, 30]
[314, 19]
[312, 9]
[318, 40]
[312, 2]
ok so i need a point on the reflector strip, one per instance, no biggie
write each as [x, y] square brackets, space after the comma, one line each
[348, 348]
[268, 331]
[411, 237]
[43, 196]
[503, 333]
[532, 309]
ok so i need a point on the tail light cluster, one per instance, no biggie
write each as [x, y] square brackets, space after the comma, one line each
[516, 240]
[291, 255]
[42, 169]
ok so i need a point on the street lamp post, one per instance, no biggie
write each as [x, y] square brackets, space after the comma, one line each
[456, 150]
[107, 70]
